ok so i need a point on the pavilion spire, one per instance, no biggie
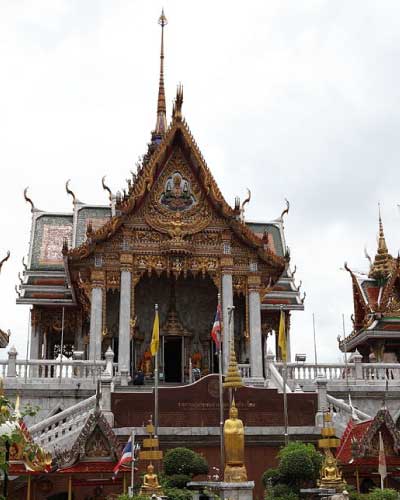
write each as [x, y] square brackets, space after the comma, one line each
[381, 266]
[161, 123]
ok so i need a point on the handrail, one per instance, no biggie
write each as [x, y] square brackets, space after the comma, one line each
[342, 405]
[54, 422]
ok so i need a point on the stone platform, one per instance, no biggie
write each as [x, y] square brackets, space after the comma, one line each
[225, 491]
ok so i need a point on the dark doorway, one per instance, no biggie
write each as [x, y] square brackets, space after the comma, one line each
[59, 496]
[173, 359]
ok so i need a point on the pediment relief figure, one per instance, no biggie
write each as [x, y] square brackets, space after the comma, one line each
[177, 195]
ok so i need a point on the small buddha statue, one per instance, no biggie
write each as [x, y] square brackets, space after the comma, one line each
[150, 482]
[235, 469]
[330, 471]
[331, 476]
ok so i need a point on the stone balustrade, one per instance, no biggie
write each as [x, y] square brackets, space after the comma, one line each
[370, 373]
[51, 370]
[245, 370]
[51, 431]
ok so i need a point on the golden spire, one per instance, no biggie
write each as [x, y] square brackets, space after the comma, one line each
[161, 124]
[233, 378]
[381, 267]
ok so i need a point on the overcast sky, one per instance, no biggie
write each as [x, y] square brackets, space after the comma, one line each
[293, 99]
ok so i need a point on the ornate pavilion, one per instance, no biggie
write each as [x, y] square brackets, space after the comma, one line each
[170, 238]
[376, 319]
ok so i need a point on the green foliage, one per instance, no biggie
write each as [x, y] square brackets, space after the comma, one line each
[10, 430]
[385, 494]
[270, 477]
[177, 480]
[184, 461]
[177, 494]
[281, 492]
[299, 465]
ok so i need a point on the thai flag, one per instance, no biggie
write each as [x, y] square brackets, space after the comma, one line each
[126, 456]
[216, 329]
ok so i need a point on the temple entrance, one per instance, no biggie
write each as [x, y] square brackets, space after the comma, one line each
[186, 307]
[173, 359]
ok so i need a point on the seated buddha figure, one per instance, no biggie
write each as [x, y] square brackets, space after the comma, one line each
[330, 472]
[150, 482]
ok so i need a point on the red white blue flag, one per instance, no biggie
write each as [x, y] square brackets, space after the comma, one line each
[126, 457]
[216, 329]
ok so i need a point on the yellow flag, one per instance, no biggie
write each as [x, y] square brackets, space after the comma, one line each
[155, 339]
[282, 337]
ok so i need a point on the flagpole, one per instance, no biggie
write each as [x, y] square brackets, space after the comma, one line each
[133, 461]
[284, 357]
[221, 404]
[156, 384]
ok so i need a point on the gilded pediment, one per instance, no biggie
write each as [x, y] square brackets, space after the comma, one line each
[176, 205]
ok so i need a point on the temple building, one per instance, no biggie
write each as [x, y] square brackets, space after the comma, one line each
[376, 319]
[94, 274]
[358, 452]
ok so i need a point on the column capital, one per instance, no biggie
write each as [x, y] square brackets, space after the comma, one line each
[226, 263]
[126, 261]
[97, 278]
[254, 282]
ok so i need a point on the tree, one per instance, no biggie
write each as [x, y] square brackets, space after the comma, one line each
[299, 465]
[385, 494]
[184, 461]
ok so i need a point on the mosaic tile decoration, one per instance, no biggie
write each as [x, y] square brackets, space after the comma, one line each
[98, 216]
[49, 234]
[276, 244]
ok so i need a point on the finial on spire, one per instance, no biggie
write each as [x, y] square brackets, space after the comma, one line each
[382, 242]
[161, 123]
[381, 267]
[177, 109]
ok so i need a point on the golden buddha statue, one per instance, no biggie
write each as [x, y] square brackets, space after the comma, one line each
[150, 483]
[235, 469]
[331, 476]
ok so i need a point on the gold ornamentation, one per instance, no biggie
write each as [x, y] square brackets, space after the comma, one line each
[177, 205]
[331, 476]
[113, 280]
[235, 469]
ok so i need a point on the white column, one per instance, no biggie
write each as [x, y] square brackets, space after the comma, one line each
[95, 323]
[255, 333]
[124, 321]
[227, 301]
[34, 341]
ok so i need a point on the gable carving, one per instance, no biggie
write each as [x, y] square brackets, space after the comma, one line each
[176, 204]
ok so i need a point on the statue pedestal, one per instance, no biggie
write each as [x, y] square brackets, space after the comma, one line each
[225, 491]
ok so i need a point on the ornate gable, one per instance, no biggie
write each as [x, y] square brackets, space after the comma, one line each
[383, 422]
[390, 302]
[95, 442]
[361, 307]
[178, 197]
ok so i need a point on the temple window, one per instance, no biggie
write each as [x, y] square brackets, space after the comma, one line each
[227, 248]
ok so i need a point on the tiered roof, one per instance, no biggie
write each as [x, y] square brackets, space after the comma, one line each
[376, 300]
[359, 443]
[59, 239]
